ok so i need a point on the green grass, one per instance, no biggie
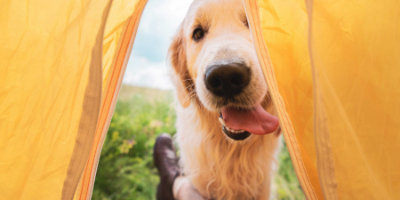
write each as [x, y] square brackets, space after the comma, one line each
[126, 169]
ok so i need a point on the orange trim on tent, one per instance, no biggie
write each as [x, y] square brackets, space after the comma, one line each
[90, 113]
[252, 12]
[109, 101]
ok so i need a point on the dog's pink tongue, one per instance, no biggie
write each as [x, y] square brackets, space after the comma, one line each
[256, 120]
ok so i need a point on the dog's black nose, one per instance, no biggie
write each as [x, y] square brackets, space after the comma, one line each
[227, 80]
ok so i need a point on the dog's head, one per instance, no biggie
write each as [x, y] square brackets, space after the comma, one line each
[216, 67]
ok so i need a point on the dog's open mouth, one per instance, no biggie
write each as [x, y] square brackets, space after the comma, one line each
[239, 123]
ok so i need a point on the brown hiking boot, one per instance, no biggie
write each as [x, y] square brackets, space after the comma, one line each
[166, 161]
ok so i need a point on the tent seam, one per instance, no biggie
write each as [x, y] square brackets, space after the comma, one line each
[304, 177]
[129, 36]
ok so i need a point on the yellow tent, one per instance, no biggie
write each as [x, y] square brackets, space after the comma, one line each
[333, 68]
[61, 66]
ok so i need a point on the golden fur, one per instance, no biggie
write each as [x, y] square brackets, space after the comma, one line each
[218, 167]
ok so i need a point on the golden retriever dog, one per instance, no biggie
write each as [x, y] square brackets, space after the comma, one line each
[225, 117]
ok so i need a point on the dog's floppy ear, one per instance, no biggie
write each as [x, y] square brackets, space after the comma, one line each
[183, 81]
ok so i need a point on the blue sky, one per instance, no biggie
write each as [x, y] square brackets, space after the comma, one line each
[147, 64]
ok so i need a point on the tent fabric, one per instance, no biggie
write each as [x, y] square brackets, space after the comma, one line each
[333, 70]
[357, 77]
[280, 29]
[61, 66]
[120, 32]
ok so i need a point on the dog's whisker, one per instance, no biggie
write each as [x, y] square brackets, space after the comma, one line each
[189, 97]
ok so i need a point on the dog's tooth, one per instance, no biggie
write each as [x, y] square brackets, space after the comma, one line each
[234, 131]
[221, 121]
[239, 131]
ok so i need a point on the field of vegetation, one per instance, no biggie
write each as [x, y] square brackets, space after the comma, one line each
[126, 170]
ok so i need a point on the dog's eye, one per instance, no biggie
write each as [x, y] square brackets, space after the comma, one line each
[246, 23]
[198, 34]
[243, 18]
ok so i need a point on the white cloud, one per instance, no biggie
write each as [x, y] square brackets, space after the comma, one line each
[147, 64]
[164, 16]
[145, 73]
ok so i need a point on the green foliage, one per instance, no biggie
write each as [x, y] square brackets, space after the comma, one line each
[287, 185]
[126, 169]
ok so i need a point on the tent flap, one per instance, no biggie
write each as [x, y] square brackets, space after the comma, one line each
[357, 76]
[50, 70]
[333, 71]
[61, 66]
[280, 29]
